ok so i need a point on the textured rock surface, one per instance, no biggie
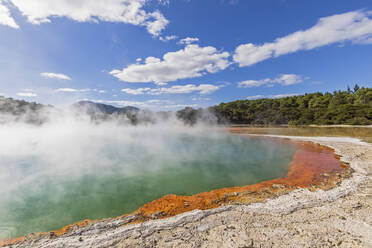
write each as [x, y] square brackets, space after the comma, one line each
[340, 217]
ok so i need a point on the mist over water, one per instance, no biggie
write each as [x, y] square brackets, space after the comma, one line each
[71, 169]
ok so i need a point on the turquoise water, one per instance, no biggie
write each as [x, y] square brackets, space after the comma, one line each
[112, 175]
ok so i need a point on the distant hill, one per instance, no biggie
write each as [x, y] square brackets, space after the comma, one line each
[12, 110]
[99, 108]
[99, 112]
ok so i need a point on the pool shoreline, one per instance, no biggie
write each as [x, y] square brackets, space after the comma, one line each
[217, 201]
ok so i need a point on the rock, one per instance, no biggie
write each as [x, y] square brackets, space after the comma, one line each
[277, 186]
[203, 228]
[358, 206]
[136, 234]
[158, 214]
[251, 244]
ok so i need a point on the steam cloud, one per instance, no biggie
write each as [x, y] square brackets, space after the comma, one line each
[70, 146]
[51, 160]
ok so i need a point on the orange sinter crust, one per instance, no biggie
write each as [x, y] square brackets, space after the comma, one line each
[313, 166]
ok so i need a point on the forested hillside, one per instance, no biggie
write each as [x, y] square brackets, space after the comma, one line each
[352, 107]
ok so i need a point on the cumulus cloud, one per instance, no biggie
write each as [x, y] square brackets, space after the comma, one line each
[71, 90]
[200, 99]
[192, 61]
[139, 91]
[27, 94]
[176, 89]
[185, 89]
[126, 11]
[55, 76]
[271, 96]
[125, 103]
[153, 104]
[354, 26]
[179, 106]
[5, 17]
[188, 41]
[168, 38]
[284, 79]
[253, 83]
[96, 90]
[255, 97]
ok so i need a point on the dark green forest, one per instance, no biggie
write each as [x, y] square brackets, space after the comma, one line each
[353, 107]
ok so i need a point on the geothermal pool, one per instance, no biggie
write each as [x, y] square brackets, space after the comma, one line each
[59, 174]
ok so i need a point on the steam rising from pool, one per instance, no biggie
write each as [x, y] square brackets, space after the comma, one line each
[68, 170]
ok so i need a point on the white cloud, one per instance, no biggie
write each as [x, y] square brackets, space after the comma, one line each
[255, 97]
[27, 94]
[139, 91]
[253, 83]
[154, 104]
[284, 95]
[168, 38]
[143, 104]
[270, 96]
[97, 90]
[188, 41]
[355, 26]
[284, 79]
[126, 11]
[5, 17]
[200, 99]
[192, 61]
[179, 106]
[289, 79]
[71, 90]
[123, 103]
[176, 89]
[27, 89]
[55, 75]
[185, 89]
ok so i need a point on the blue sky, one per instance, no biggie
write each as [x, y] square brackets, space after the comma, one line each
[171, 54]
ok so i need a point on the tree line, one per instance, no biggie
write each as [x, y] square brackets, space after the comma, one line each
[353, 107]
